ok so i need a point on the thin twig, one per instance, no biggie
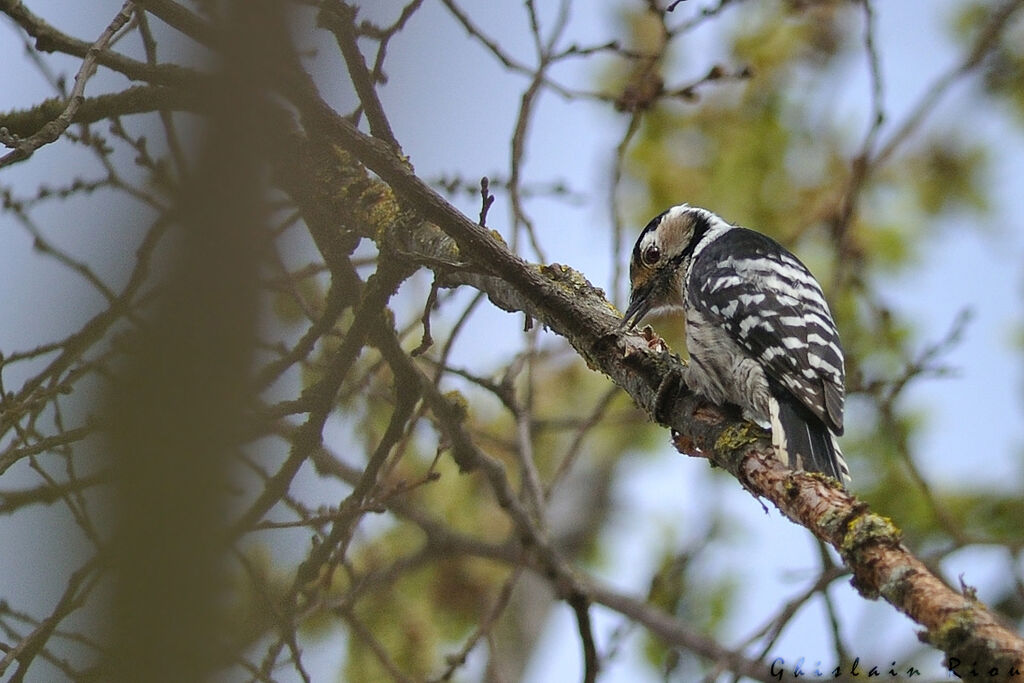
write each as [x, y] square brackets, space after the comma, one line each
[24, 148]
[486, 199]
[340, 19]
[80, 584]
[385, 36]
[484, 628]
[584, 430]
[49, 39]
[166, 117]
[427, 341]
[580, 605]
[986, 41]
[618, 165]
[861, 164]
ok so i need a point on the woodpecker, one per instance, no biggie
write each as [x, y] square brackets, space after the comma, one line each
[758, 329]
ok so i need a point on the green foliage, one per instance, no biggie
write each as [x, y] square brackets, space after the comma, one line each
[414, 616]
[683, 587]
[286, 305]
[743, 149]
[990, 515]
[946, 174]
[1004, 68]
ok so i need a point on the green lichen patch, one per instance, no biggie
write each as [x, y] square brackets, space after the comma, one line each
[954, 631]
[574, 281]
[364, 204]
[498, 238]
[458, 403]
[736, 437]
[868, 529]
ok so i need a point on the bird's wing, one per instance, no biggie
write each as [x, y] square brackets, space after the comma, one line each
[771, 305]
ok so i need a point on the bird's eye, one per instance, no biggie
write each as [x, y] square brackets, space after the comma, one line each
[651, 255]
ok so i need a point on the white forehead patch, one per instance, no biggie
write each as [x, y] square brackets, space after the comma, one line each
[673, 230]
[677, 211]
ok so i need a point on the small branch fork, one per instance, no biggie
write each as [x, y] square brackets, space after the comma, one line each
[486, 199]
[22, 149]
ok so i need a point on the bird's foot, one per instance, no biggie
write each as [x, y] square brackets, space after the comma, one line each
[671, 388]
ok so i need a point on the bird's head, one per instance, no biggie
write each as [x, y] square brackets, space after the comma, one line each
[660, 258]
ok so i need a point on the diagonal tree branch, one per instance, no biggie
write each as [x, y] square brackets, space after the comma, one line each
[566, 303]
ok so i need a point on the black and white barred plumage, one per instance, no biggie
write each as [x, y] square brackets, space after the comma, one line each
[758, 330]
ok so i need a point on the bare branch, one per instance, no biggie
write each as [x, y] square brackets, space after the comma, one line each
[340, 19]
[24, 148]
[581, 608]
[427, 341]
[319, 398]
[670, 630]
[49, 39]
[79, 585]
[134, 100]
[183, 19]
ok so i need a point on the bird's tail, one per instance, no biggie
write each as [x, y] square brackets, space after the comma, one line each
[804, 442]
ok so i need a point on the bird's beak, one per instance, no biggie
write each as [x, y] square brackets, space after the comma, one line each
[639, 306]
